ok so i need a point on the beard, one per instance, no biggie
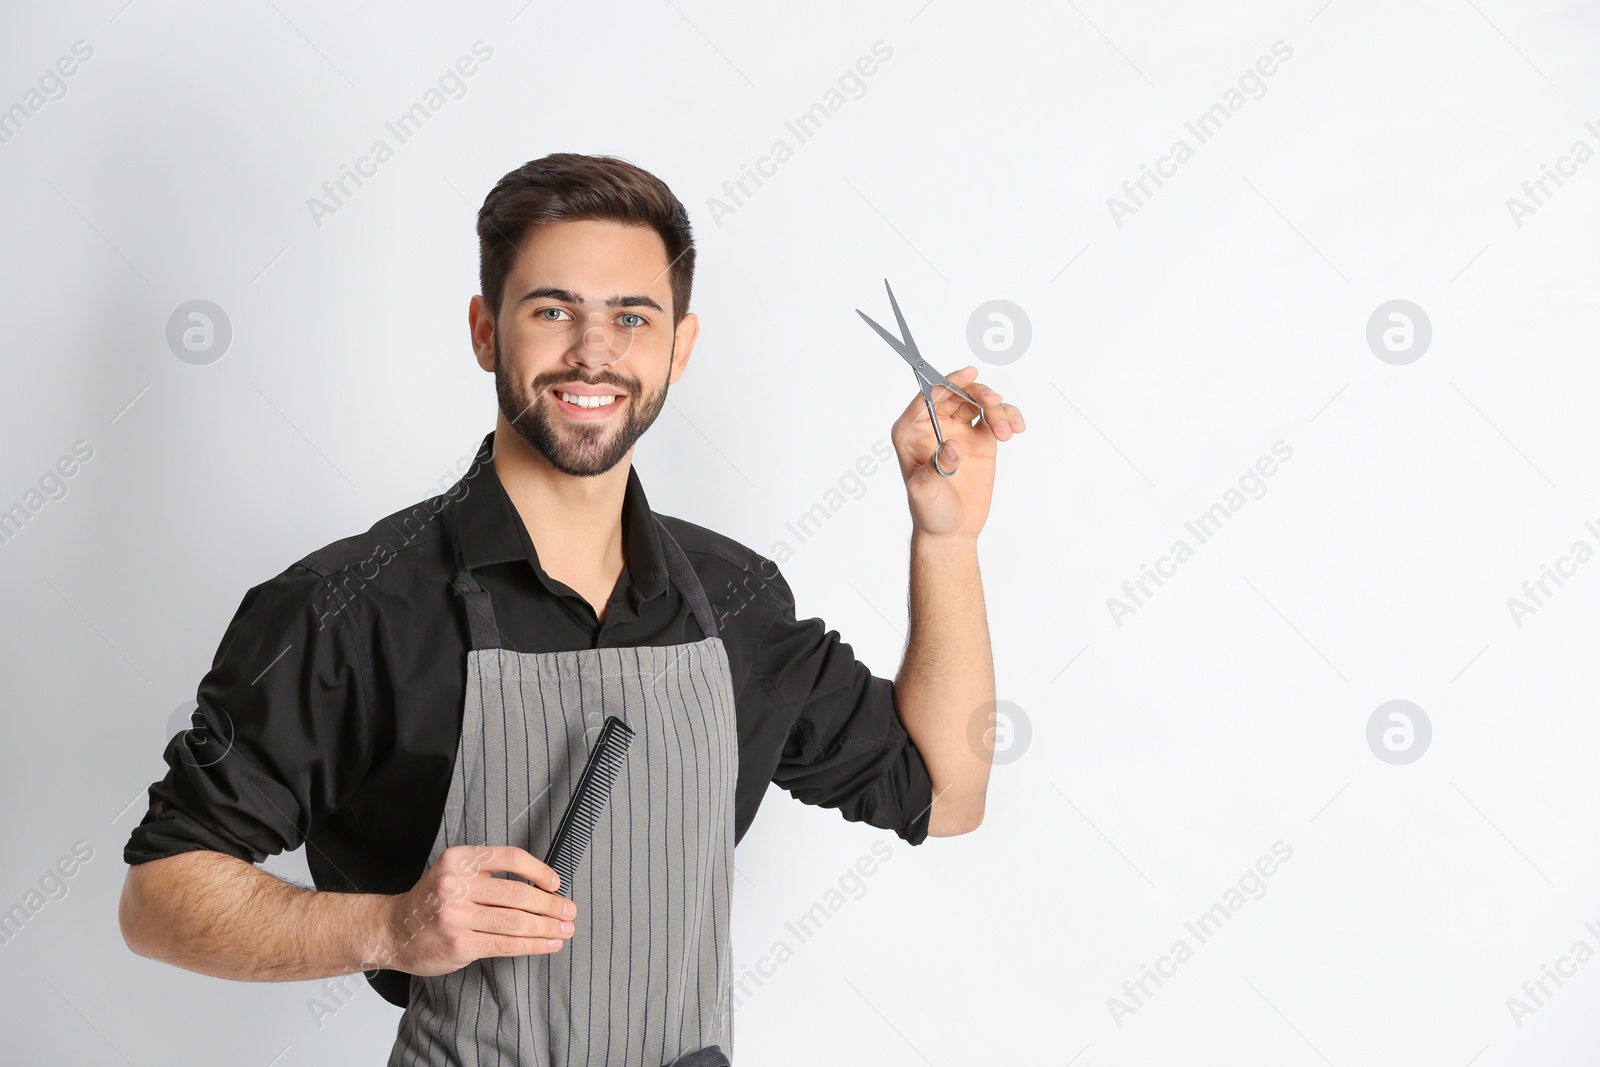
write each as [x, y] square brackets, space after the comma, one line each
[582, 450]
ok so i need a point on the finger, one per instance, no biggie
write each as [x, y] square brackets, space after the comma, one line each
[993, 409]
[964, 379]
[949, 404]
[953, 405]
[1003, 419]
[510, 893]
[997, 417]
[1012, 416]
[518, 861]
[514, 922]
[482, 946]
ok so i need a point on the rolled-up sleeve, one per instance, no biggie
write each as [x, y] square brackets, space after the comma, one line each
[846, 748]
[280, 735]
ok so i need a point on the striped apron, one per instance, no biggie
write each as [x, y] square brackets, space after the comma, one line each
[646, 978]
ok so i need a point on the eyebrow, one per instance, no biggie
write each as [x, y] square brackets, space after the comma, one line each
[567, 296]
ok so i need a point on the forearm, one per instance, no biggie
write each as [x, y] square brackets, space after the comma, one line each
[945, 687]
[218, 915]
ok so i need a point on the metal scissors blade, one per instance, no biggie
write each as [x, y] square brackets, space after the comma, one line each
[927, 377]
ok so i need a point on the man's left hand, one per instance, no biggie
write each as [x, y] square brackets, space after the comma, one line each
[956, 506]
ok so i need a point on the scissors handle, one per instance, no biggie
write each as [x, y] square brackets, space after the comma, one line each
[933, 417]
[940, 447]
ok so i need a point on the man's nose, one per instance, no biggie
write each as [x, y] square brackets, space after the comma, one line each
[596, 346]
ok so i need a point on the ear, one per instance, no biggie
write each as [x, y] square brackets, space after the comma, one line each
[480, 324]
[687, 332]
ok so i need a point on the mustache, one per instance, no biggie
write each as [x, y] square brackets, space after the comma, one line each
[540, 386]
[544, 382]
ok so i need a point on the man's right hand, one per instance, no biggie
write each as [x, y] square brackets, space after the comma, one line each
[458, 912]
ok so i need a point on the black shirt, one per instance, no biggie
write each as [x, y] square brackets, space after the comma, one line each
[332, 710]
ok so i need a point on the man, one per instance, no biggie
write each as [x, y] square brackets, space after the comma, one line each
[414, 703]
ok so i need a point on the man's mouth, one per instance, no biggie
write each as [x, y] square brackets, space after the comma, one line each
[585, 405]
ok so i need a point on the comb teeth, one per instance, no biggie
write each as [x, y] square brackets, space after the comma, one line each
[589, 801]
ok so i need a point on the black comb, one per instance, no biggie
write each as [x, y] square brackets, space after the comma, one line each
[588, 801]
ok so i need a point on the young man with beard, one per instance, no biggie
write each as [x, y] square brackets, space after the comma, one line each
[422, 732]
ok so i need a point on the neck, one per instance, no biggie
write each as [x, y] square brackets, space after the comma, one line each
[575, 523]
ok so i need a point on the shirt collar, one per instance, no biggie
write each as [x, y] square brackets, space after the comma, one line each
[491, 531]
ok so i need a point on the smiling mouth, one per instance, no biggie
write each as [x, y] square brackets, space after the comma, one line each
[583, 406]
[584, 401]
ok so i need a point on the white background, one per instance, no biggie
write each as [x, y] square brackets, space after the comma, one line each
[1168, 353]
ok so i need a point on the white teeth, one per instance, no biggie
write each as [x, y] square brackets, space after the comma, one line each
[588, 401]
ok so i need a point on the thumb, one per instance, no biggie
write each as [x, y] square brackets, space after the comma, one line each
[948, 456]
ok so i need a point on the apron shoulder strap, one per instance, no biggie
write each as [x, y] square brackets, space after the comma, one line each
[688, 582]
[480, 609]
[480, 612]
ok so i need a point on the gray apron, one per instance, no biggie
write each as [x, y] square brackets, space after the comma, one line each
[647, 976]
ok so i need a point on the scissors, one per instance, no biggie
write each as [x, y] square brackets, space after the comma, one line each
[927, 377]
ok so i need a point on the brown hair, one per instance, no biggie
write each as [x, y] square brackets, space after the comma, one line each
[566, 186]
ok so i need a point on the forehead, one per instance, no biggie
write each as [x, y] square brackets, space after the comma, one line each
[593, 258]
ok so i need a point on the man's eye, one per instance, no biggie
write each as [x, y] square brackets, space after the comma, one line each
[632, 315]
[558, 311]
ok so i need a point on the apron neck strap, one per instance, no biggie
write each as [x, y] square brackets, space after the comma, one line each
[480, 609]
[688, 582]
